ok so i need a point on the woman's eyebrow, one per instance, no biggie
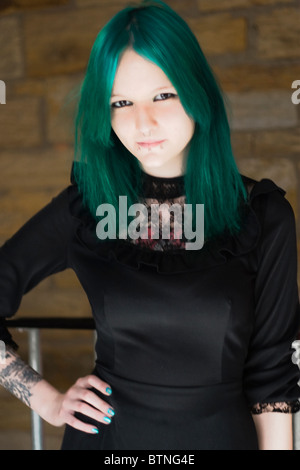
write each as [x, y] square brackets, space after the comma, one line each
[153, 91]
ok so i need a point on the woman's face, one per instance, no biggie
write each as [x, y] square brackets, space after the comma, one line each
[148, 117]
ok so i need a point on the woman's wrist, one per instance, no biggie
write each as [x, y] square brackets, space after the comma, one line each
[46, 401]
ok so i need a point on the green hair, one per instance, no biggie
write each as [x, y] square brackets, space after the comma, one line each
[105, 169]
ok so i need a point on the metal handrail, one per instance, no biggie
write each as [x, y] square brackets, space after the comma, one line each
[80, 323]
[33, 327]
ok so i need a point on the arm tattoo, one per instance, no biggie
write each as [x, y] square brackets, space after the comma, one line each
[18, 377]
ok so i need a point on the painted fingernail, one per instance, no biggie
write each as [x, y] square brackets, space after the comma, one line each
[110, 412]
[108, 390]
[106, 419]
[95, 430]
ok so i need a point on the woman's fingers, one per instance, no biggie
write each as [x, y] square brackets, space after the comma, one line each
[81, 426]
[80, 398]
[82, 392]
[91, 412]
[88, 396]
[94, 381]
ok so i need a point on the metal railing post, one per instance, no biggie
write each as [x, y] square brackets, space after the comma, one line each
[296, 430]
[36, 363]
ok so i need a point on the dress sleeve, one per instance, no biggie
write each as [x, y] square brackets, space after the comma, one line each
[270, 375]
[37, 250]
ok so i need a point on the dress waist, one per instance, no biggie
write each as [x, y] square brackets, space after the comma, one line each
[146, 398]
[159, 417]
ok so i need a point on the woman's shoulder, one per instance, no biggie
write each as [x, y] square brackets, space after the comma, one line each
[270, 203]
[263, 189]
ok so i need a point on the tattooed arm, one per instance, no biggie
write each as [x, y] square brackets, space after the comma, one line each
[21, 380]
[17, 377]
[56, 408]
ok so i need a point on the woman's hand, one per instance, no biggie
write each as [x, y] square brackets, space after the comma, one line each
[54, 407]
[61, 408]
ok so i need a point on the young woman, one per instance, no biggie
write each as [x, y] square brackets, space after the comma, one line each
[193, 342]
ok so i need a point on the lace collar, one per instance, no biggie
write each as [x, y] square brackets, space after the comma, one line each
[162, 188]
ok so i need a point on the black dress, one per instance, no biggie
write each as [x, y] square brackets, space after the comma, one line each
[189, 341]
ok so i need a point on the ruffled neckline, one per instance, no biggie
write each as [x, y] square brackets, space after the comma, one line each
[214, 252]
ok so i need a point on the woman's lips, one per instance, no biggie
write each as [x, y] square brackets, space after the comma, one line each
[150, 144]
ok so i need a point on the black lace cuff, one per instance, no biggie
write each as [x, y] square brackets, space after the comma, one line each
[277, 407]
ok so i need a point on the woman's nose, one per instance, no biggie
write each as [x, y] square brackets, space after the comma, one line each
[145, 120]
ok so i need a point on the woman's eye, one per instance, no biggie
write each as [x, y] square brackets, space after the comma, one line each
[160, 97]
[165, 96]
[120, 104]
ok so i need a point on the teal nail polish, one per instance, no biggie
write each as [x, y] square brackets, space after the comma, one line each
[110, 412]
[106, 419]
[95, 430]
[108, 390]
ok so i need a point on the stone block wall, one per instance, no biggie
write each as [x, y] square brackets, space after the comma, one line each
[254, 49]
